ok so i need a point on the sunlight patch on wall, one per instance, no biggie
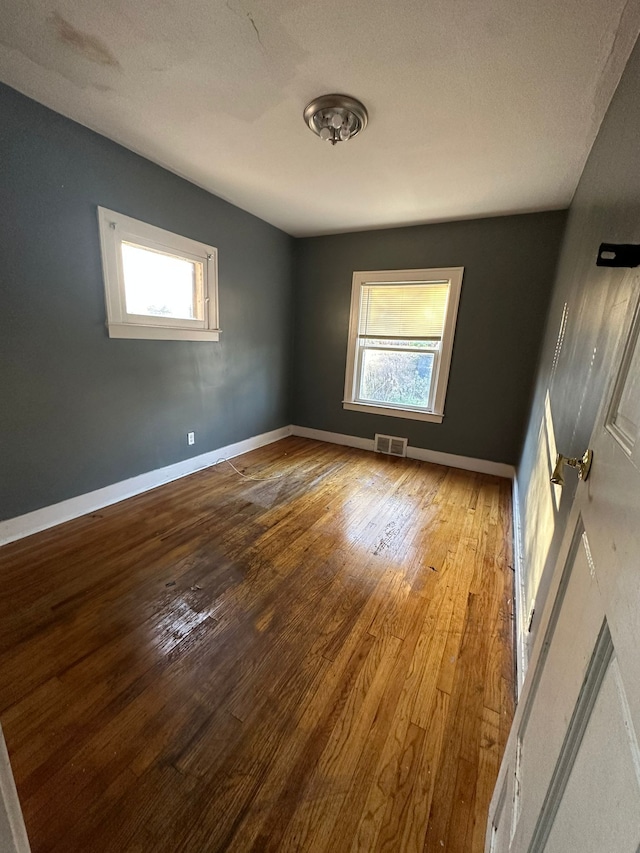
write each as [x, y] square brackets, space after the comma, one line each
[559, 342]
[552, 450]
[542, 501]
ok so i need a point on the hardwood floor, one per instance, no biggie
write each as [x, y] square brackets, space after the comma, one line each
[317, 662]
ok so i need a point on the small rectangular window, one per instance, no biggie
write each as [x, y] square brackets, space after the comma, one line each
[157, 284]
[400, 341]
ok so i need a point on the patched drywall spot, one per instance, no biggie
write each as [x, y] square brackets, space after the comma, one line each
[91, 47]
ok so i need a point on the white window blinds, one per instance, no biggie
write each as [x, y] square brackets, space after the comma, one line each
[403, 311]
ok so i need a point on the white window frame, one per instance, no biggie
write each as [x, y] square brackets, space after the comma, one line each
[116, 228]
[442, 362]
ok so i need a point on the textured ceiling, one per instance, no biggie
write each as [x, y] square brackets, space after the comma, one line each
[476, 107]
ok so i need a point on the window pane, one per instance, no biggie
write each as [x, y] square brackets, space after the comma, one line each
[160, 285]
[396, 378]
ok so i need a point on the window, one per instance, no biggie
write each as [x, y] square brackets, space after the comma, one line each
[157, 284]
[400, 341]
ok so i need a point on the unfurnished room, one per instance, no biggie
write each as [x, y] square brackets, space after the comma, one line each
[319, 408]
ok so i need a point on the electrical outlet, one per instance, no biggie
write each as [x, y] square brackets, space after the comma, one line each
[191, 438]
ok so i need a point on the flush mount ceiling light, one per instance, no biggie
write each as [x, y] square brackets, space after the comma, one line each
[336, 118]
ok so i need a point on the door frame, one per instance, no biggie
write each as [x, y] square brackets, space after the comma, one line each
[13, 834]
[505, 791]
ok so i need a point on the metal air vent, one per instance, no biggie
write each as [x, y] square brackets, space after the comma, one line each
[392, 445]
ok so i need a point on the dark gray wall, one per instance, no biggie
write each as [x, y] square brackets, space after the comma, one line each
[509, 269]
[572, 378]
[79, 411]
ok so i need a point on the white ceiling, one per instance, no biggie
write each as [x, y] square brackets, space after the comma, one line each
[476, 107]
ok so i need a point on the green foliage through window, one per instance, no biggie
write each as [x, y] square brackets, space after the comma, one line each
[396, 376]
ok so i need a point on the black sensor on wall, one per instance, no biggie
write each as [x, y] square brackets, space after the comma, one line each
[618, 255]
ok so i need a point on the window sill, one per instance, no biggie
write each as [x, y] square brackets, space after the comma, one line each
[161, 333]
[393, 412]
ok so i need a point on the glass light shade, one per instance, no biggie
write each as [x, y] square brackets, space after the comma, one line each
[336, 118]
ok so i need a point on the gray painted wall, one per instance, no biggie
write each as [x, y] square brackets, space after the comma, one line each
[606, 207]
[509, 269]
[79, 410]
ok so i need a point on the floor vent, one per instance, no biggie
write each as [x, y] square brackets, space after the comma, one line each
[391, 445]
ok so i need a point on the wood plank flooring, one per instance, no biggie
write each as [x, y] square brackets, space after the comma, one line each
[318, 662]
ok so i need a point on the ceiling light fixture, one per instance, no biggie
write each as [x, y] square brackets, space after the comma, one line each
[336, 118]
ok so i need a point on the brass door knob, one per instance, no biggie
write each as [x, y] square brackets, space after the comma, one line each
[583, 465]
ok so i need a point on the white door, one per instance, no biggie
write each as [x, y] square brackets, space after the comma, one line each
[570, 778]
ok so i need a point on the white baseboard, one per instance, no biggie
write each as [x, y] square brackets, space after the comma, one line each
[333, 437]
[521, 627]
[13, 835]
[49, 516]
[468, 463]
